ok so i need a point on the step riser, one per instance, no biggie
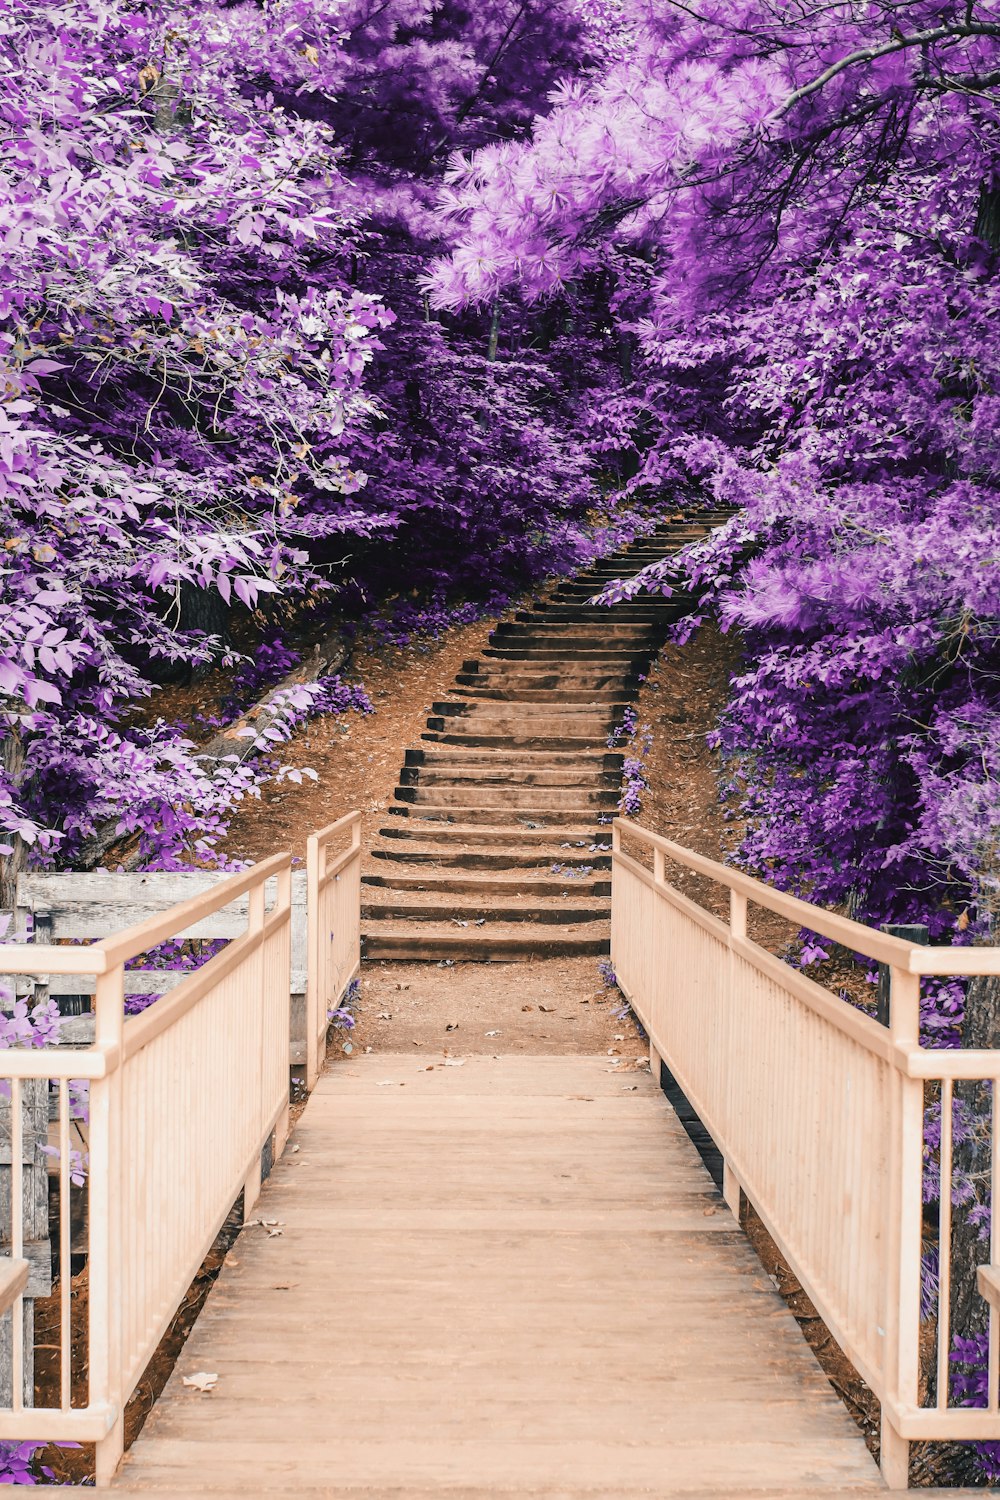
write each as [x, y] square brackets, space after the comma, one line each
[494, 677]
[501, 797]
[455, 885]
[483, 711]
[552, 697]
[550, 732]
[514, 745]
[472, 859]
[490, 950]
[546, 844]
[530, 889]
[609, 762]
[571, 635]
[545, 916]
[585, 655]
[554, 818]
[500, 780]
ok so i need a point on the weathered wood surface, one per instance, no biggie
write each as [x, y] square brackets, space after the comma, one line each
[92, 904]
[510, 1277]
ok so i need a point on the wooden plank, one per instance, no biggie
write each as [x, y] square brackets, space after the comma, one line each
[519, 1300]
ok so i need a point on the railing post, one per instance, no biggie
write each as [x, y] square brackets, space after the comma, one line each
[283, 902]
[255, 903]
[105, 1257]
[315, 1000]
[737, 929]
[910, 932]
[903, 1232]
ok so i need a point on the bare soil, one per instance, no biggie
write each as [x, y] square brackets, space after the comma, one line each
[357, 757]
[553, 1006]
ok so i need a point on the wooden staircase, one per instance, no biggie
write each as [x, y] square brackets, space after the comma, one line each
[498, 847]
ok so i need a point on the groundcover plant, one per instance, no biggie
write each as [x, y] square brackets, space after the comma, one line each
[330, 305]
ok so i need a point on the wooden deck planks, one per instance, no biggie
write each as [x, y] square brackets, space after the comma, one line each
[512, 1277]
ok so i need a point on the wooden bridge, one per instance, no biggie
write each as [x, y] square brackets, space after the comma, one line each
[502, 1276]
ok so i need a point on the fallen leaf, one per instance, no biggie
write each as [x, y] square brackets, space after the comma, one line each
[547, 1008]
[201, 1380]
[451, 1026]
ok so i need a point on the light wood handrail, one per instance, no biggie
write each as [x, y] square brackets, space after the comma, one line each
[896, 952]
[13, 1280]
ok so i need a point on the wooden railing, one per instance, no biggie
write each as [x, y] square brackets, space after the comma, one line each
[333, 900]
[183, 1100]
[819, 1112]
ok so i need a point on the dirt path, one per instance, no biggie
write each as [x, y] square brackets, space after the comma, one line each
[552, 1007]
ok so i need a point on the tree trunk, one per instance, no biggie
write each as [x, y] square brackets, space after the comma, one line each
[988, 216]
[11, 865]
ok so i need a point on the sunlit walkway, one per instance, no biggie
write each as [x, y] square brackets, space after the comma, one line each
[506, 1276]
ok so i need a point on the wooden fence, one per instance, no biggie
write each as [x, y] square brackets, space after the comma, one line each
[820, 1114]
[183, 1101]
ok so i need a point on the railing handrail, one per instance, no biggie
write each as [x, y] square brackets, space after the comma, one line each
[880, 946]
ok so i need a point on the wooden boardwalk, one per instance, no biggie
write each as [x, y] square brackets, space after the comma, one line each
[511, 1277]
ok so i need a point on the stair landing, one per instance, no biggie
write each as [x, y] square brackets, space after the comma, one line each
[501, 1277]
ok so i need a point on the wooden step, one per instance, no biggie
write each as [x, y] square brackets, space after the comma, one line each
[554, 911]
[505, 776]
[447, 755]
[565, 838]
[501, 819]
[486, 858]
[491, 944]
[506, 798]
[517, 883]
[504, 816]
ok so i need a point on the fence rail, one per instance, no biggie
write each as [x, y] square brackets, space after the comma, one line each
[183, 1100]
[333, 900]
[824, 1119]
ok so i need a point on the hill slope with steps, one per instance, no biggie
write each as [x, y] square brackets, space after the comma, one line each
[498, 847]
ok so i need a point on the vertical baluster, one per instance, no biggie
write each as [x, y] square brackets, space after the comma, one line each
[65, 1254]
[993, 1358]
[315, 966]
[17, 1238]
[944, 1248]
[903, 1231]
[105, 1240]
